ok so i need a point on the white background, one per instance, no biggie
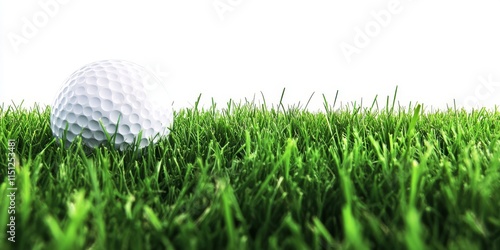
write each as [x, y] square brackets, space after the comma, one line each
[435, 51]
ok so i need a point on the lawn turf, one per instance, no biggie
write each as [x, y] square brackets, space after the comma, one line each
[250, 177]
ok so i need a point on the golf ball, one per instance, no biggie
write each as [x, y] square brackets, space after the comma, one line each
[113, 97]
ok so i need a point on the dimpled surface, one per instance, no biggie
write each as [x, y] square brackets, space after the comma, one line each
[120, 96]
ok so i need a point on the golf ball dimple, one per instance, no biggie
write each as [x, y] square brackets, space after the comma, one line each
[122, 97]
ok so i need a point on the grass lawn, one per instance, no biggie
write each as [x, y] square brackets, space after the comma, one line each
[248, 177]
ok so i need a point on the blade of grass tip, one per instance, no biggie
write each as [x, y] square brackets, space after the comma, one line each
[387, 105]
[373, 104]
[128, 206]
[281, 101]
[109, 138]
[138, 141]
[197, 103]
[415, 178]
[264, 101]
[213, 108]
[455, 108]
[229, 105]
[329, 127]
[64, 141]
[152, 218]
[17, 107]
[417, 173]
[321, 229]
[394, 98]
[335, 100]
[309, 100]
[413, 122]
[287, 156]
[54, 228]
[325, 104]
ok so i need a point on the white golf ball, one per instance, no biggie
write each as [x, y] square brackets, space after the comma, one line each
[122, 97]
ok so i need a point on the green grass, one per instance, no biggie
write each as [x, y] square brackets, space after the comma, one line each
[249, 177]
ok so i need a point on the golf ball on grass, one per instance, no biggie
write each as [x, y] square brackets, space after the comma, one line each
[122, 97]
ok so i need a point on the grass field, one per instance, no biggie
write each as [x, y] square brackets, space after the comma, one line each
[249, 177]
